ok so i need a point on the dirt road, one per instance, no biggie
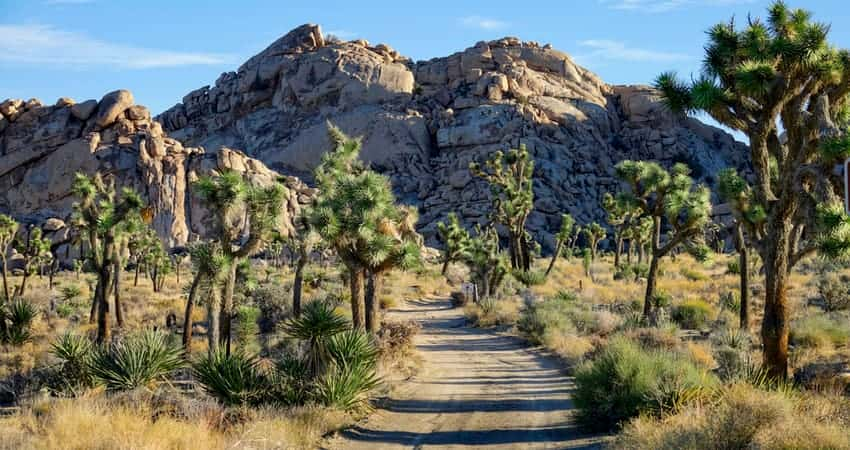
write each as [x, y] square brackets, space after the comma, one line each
[476, 388]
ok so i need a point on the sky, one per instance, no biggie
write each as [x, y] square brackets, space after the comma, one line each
[161, 50]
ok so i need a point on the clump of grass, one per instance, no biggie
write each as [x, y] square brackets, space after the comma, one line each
[625, 380]
[694, 314]
[820, 331]
[139, 360]
[692, 275]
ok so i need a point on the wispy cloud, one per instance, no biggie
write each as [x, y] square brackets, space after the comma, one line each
[602, 49]
[43, 45]
[660, 6]
[484, 23]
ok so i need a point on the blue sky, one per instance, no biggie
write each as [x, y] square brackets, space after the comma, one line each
[161, 50]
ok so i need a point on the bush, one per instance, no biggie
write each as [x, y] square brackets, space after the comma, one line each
[395, 339]
[820, 331]
[834, 290]
[247, 328]
[75, 354]
[234, 379]
[694, 314]
[530, 277]
[733, 267]
[692, 275]
[625, 380]
[70, 293]
[743, 417]
[730, 301]
[275, 304]
[137, 361]
[347, 387]
[661, 300]
[20, 314]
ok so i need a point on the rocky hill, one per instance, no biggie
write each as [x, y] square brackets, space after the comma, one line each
[42, 147]
[422, 123]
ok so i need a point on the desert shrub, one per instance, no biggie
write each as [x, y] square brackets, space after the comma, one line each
[19, 315]
[234, 379]
[136, 361]
[70, 292]
[662, 300]
[314, 327]
[530, 277]
[247, 328]
[75, 354]
[691, 274]
[730, 301]
[491, 312]
[631, 272]
[347, 387]
[352, 348]
[694, 314]
[820, 331]
[65, 310]
[275, 304]
[743, 417]
[625, 380]
[733, 267]
[395, 339]
[834, 290]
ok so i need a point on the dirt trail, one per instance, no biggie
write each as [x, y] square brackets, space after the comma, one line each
[476, 388]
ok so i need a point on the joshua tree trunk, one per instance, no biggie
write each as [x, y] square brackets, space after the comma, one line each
[136, 278]
[23, 287]
[297, 284]
[629, 251]
[741, 244]
[104, 332]
[373, 303]
[618, 251]
[775, 325]
[213, 314]
[187, 316]
[94, 300]
[653, 267]
[119, 314]
[356, 286]
[444, 269]
[7, 297]
[227, 306]
[558, 247]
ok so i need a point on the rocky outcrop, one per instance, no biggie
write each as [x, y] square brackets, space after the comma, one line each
[423, 123]
[42, 147]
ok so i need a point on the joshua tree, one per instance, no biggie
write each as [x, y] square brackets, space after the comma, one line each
[304, 241]
[594, 233]
[232, 199]
[782, 84]
[487, 264]
[455, 240]
[509, 175]
[35, 251]
[356, 214]
[666, 197]
[561, 237]
[734, 190]
[209, 263]
[103, 218]
[8, 228]
[620, 215]
[639, 235]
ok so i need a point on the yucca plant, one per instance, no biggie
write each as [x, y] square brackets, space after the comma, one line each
[318, 323]
[75, 353]
[292, 381]
[352, 348]
[347, 387]
[20, 314]
[137, 361]
[234, 379]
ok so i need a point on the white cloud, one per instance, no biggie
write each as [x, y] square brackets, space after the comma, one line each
[659, 6]
[602, 49]
[43, 45]
[485, 23]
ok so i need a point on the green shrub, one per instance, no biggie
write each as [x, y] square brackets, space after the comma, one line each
[694, 314]
[234, 379]
[70, 293]
[733, 267]
[834, 291]
[820, 331]
[136, 361]
[530, 277]
[20, 314]
[275, 304]
[661, 300]
[731, 301]
[317, 324]
[624, 380]
[552, 315]
[65, 310]
[75, 353]
[346, 387]
[247, 328]
[353, 348]
[692, 275]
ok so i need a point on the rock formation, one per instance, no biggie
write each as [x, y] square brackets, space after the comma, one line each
[422, 123]
[42, 147]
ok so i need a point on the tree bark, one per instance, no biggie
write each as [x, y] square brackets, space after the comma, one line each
[743, 257]
[136, 278]
[104, 332]
[775, 325]
[357, 302]
[119, 314]
[373, 303]
[187, 315]
[653, 268]
[227, 306]
[297, 285]
[213, 314]
[445, 266]
[7, 296]
[618, 252]
[558, 247]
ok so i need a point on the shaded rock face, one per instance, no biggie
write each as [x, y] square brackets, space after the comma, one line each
[43, 147]
[423, 123]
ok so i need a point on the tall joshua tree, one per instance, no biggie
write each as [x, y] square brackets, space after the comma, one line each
[209, 263]
[304, 241]
[511, 187]
[594, 234]
[563, 235]
[103, 216]
[667, 198]
[8, 228]
[455, 238]
[35, 250]
[356, 214]
[783, 85]
[620, 215]
[232, 199]
[735, 190]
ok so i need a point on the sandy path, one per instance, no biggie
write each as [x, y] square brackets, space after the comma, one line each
[476, 388]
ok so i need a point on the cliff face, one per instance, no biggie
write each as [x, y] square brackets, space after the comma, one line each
[422, 123]
[42, 147]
